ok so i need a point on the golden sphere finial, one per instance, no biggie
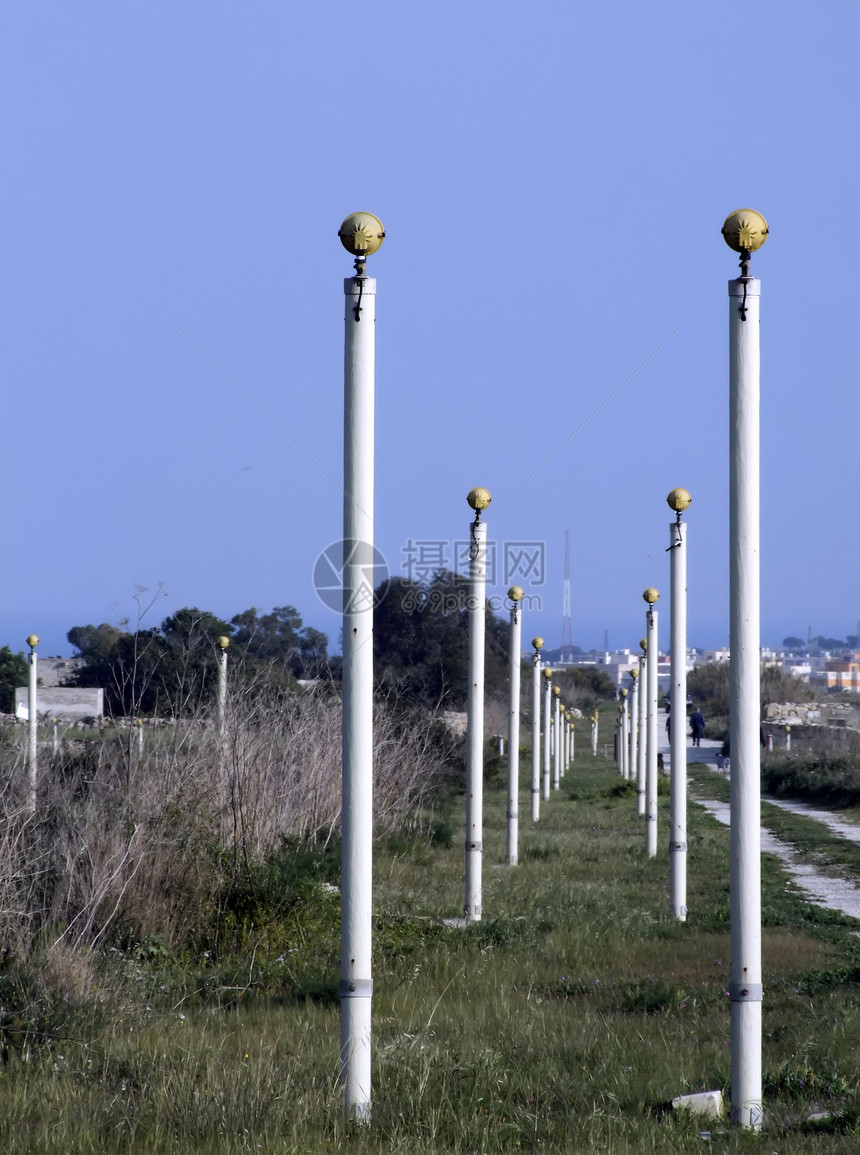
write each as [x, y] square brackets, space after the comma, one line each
[547, 672]
[479, 498]
[223, 641]
[557, 691]
[643, 645]
[745, 230]
[651, 595]
[679, 500]
[32, 640]
[516, 593]
[361, 234]
[537, 643]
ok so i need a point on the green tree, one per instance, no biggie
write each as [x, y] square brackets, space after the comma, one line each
[13, 673]
[94, 642]
[708, 685]
[421, 640]
[583, 685]
[280, 637]
[193, 629]
[273, 636]
[168, 671]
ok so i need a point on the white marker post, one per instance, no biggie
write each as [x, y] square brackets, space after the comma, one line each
[556, 739]
[32, 724]
[223, 643]
[478, 499]
[361, 234]
[679, 500]
[634, 723]
[650, 595]
[538, 644]
[595, 718]
[547, 728]
[625, 737]
[516, 594]
[642, 753]
[745, 231]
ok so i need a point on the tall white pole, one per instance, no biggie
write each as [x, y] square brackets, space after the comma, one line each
[537, 643]
[571, 754]
[642, 751]
[556, 740]
[515, 593]
[679, 500]
[32, 724]
[634, 723]
[361, 234]
[478, 499]
[745, 231]
[547, 729]
[651, 596]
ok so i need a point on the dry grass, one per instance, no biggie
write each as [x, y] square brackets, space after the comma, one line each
[128, 840]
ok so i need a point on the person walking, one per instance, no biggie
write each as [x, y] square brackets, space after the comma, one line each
[697, 726]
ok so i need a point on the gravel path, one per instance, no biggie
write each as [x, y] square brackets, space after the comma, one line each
[821, 889]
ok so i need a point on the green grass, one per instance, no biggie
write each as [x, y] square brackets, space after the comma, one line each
[564, 1021]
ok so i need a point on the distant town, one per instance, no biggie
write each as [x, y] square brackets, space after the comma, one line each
[824, 663]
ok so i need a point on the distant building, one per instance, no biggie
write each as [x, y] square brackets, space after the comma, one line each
[839, 675]
[718, 656]
[67, 704]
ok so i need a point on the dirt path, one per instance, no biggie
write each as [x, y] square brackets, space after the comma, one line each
[821, 889]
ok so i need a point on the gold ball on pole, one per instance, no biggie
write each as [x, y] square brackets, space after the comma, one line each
[361, 234]
[651, 595]
[478, 498]
[745, 230]
[678, 500]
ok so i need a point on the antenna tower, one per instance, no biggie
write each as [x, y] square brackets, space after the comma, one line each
[566, 654]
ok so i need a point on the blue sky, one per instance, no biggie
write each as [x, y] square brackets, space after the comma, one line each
[552, 180]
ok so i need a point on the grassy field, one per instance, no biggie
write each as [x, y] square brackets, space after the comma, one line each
[565, 1021]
